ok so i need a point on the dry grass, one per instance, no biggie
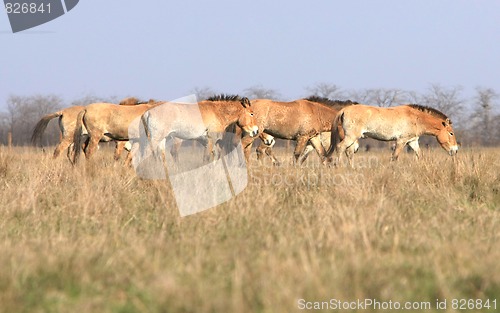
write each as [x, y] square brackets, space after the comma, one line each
[95, 238]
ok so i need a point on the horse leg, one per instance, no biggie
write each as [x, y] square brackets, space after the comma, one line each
[270, 153]
[247, 142]
[209, 154]
[416, 148]
[397, 150]
[342, 148]
[241, 155]
[120, 145]
[316, 143]
[306, 152]
[85, 144]
[174, 151]
[349, 152]
[220, 150]
[261, 149]
[133, 148]
[206, 142]
[70, 145]
[128, 159]
[93, 144]
[269, 143]
[64, 144]
[299, 148]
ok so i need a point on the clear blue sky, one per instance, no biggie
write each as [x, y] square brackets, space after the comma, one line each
[163, 49]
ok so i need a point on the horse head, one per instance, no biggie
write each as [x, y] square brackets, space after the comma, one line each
[446, 137]
[247, 120]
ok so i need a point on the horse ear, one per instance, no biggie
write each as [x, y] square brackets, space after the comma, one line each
[245, 102]
[444, 124]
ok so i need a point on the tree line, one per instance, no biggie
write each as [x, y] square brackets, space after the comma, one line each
[476, 120]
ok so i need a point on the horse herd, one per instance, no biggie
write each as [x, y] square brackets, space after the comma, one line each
[303, 121]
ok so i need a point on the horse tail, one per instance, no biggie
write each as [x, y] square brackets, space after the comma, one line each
[335, 134]
[42, 125]
[147, 132]
[145, 125]
[78, 135]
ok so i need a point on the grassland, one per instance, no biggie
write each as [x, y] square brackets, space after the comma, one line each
[95, 238]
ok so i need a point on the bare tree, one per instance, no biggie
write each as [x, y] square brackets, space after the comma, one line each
[259, 92]
[380, 97]
[4, 127]
[91, 98]
[413, 97]
[23, 112]
[495, 121]
[325, 90]
[203, 93]
[447, 100]
[483, 116]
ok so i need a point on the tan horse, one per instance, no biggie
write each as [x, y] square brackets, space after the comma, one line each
[403, 124]
[105, 120]
[300, 120]
[204, 122]
[67, 124]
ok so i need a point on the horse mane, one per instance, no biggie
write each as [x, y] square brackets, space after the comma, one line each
[134, 101]
[129, 101]
[429, 110]
[224, 97]
[330, 102]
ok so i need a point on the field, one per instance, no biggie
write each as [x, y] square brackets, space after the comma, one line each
[96, 238]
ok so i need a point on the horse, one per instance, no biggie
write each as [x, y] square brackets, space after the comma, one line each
[203, 122]
[301, 120]
[67, 123]
[105, 120]
[268, 141]
[403, 124]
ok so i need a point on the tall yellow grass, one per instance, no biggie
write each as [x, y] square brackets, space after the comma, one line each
[95, 238]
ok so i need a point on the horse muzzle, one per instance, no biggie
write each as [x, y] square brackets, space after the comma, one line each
[254, 131]
[453, 150]
[269, 142]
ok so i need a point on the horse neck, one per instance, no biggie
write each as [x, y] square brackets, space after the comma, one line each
[227, 112]
[326, 116]
[430, 125]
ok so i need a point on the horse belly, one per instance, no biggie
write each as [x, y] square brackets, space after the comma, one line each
[384, 129]
[281, 134]
[378, 136]
[186, 131]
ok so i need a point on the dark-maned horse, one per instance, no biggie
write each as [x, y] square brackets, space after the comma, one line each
[300, 120]
[403, 124]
